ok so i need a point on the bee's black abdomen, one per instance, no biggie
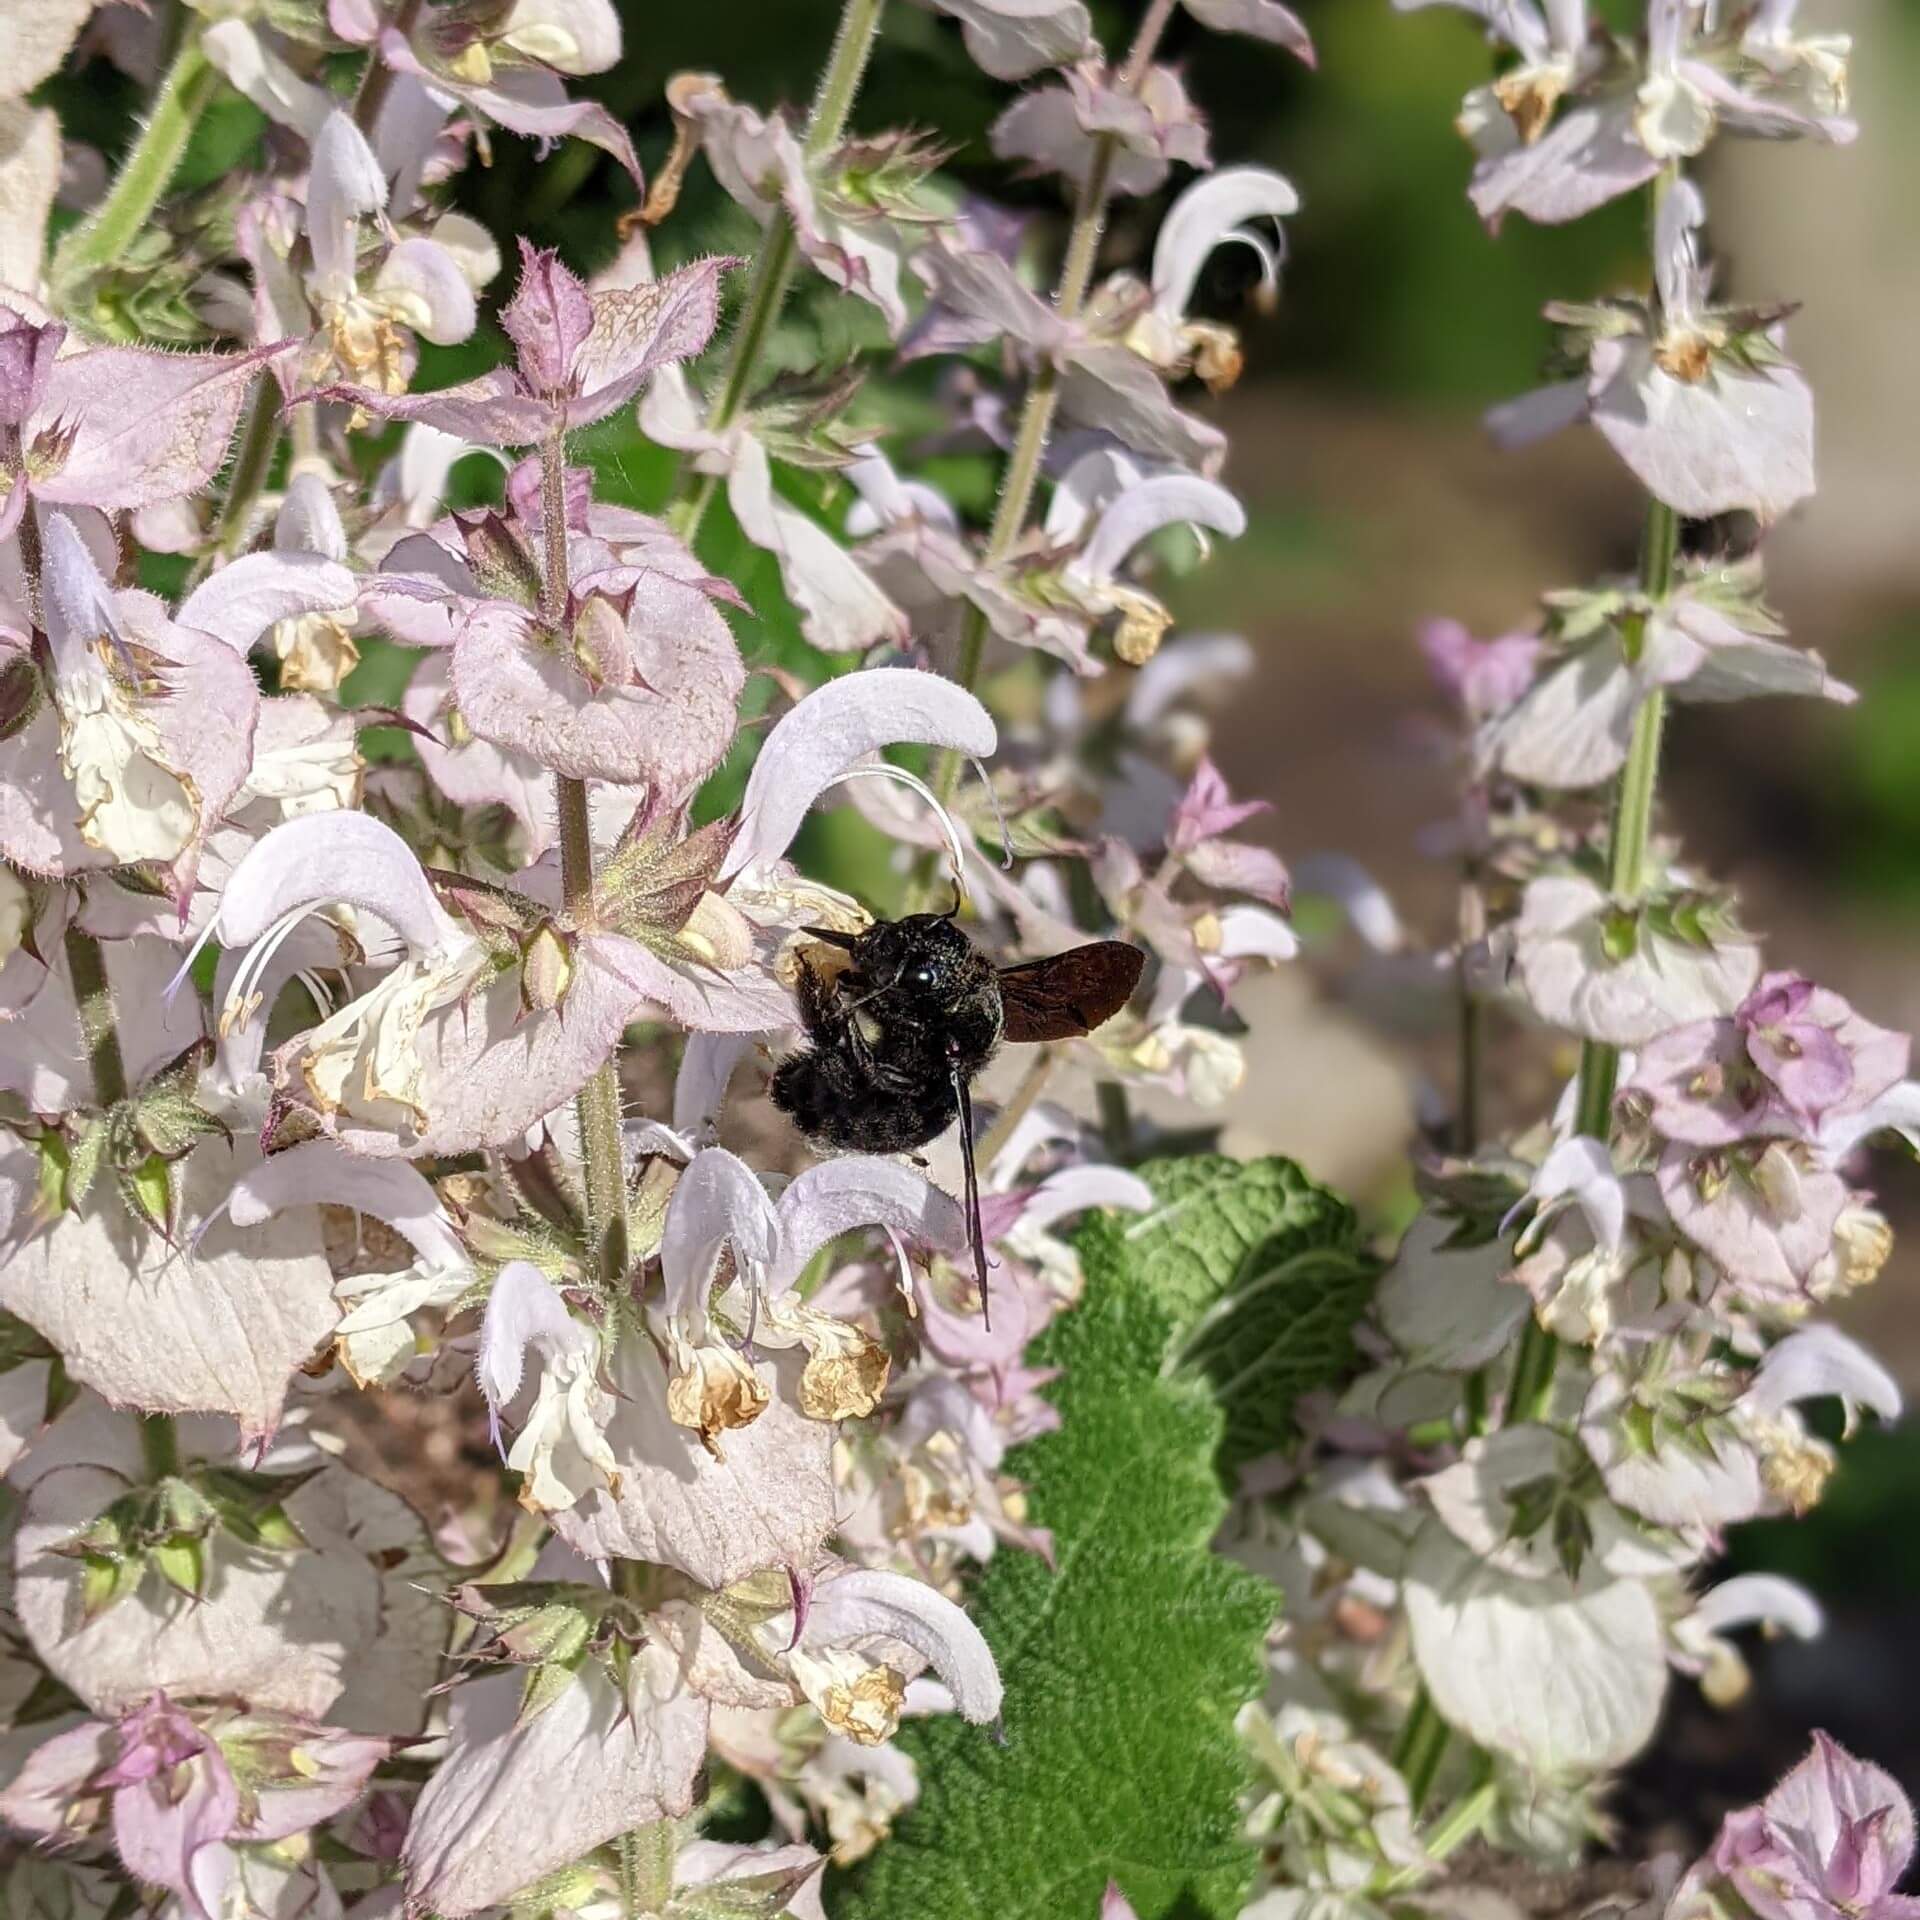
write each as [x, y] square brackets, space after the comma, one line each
[830, 1100]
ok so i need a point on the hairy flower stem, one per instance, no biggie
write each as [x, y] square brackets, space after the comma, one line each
[259, 442]
[597, 1105]
[1632, 829]
[646, 1869]
[100, 240]
[779, 251]
[87, 969]
[1030, 440]
[159, 1445]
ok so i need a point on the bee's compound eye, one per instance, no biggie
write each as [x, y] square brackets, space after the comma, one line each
[922, 976]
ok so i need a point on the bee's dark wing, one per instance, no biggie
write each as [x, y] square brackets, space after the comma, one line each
[1069, 993]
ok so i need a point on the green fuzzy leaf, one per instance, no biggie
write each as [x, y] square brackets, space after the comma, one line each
[1123, 1671]
[1263, 1279]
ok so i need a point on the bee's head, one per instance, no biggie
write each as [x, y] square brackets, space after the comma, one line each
[924, 957]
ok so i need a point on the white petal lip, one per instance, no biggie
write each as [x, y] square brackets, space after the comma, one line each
[1763, 1598]
[890, 1604]
[326, 859]
[837, 1196]
[1202, 218]
[1254, 933]
[1583, 1169]
[523, 1310]
[427, 287]
[323, 1173]
[1818, 1361]
[718, 1202]
[832, 730]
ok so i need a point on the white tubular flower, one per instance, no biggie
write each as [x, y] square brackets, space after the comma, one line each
[1132, 516]
[562, 1446]
[720, 1206]
[851, 1686]
[1700, 1644]
[134, 802]
[420, 285]
[1216, 211]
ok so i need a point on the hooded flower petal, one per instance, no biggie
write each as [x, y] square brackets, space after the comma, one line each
[860, 1606]
[718, 1203]
[832, 731]
[859, 1191]
[1259, 20]
[320, 1173]
[337, 858]
[841, 608]
[1819, 1361]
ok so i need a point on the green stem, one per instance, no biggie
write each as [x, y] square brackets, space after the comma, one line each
[87, 969]
[597, 1105]
[259, 441]
[99, 241]
[1534, 1366]
[1466, 1119]
[647, 1857]
[1420, 1749]
[159, 1445]
[1631, 834]
[779, 250]
[1629, 838]
[1116, 1121]
[1462, 1820]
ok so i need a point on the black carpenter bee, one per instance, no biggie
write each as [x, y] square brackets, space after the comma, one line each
[897, 1038]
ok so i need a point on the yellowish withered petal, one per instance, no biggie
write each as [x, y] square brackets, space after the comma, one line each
[712, 1390]
[316, 652]
[852, 1697]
